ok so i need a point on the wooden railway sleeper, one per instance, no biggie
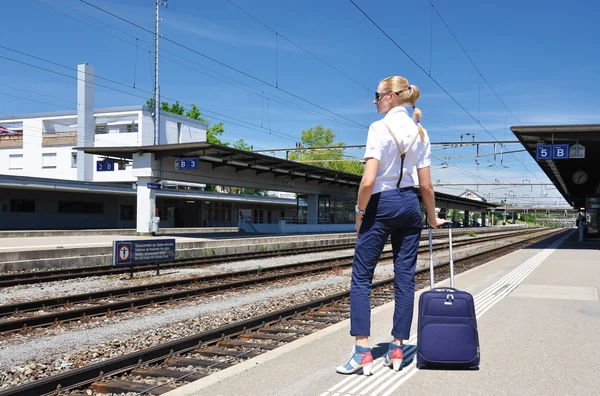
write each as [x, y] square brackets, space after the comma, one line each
[186, 362]
[120, 386]
[160, 372]
[218, 352]
[246, 344]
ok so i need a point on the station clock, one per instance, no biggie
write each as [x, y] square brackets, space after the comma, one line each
[579, 177]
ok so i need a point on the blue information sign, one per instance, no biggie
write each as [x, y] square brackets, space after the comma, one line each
[552, 151]
[187, 163]
[560, 151]
[143, 251]
[153, 186]
[543, 152]
[106, 165]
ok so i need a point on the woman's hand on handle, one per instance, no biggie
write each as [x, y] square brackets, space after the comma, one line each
[437, 223]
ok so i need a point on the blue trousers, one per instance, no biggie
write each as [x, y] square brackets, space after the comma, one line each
[396, 213]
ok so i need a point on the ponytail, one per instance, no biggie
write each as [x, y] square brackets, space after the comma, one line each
[414, 95]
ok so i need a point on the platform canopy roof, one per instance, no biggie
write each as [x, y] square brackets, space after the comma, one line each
[575, 178]
[224, 156]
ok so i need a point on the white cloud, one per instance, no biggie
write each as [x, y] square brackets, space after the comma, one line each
[217, 32]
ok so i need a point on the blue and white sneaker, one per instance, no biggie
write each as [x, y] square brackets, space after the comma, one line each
[360, 358]
[394, 357]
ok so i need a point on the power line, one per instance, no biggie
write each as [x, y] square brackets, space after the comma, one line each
[219, 116]
[223, 64]
[298, 46]
[319, 59]
[432, 79]
[473, 63]
[258, 93]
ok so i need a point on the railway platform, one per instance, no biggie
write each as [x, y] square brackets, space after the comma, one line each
[88, 250]
[28, 250]
[538, 317]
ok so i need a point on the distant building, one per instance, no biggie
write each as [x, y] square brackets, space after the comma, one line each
[469, 194]
[42, 145]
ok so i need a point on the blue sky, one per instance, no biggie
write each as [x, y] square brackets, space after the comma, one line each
[539, 57]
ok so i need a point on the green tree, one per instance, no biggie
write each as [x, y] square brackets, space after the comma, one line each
[241, 144]
[332, 158]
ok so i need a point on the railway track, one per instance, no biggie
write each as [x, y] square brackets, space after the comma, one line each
[46, 312]
[162, 368]
[33, 277]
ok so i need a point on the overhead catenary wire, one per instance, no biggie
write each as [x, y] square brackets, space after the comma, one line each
[299, 46]
[224, 64]
[235, 83]
[216, 115]
[430, 77]
[471, 60]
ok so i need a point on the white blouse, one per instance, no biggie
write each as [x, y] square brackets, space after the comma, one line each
[381, 146]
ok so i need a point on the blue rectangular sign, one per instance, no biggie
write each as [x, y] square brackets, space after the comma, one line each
[560, 151]
[143, 251]
[543, 152]
[153, 186]
[187, 163]
[106, 165]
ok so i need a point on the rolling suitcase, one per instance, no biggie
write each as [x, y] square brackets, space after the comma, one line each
[447, 334]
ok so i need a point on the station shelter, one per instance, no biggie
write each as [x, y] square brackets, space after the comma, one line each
[570, 156]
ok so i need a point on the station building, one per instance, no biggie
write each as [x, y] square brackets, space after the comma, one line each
[106, 168]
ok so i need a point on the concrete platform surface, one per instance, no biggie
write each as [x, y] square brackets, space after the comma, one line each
[108, 231]
[539, 324]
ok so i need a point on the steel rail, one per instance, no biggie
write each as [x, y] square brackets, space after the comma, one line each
[84, 376]
[311, 267]
[32, 277]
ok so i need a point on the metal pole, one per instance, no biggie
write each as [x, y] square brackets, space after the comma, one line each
[157, 4]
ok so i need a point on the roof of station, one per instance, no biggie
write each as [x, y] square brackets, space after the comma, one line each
[562, 172]
[75, 186]
[240, 159]
[219, 155]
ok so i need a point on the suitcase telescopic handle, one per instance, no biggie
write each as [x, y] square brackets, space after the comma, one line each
[431, 270]
[431, 275]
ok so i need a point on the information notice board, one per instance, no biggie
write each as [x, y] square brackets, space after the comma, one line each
[143, 251]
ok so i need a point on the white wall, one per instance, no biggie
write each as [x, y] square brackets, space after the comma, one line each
[32, 151]
[191, 130]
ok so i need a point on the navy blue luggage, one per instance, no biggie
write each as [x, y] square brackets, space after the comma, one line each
[447, 326]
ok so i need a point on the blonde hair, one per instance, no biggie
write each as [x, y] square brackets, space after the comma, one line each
[406, 94]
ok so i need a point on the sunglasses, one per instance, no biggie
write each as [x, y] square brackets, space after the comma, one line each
[382, 94]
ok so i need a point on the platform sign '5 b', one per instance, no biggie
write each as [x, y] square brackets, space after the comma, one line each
[552, 151]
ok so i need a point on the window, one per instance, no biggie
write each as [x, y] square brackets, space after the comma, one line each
[22, 205]
[73, 160]
[258, 217]
[133, 127]
[217, 213]
[101, 129]
[15, 161]
[80, 207]
[122, 165]
[127, 212]
[48, 160]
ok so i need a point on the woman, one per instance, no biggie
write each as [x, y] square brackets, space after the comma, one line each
[388, 205]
